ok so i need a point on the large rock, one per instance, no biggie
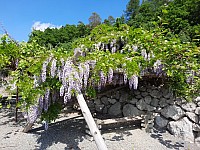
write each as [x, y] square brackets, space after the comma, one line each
[166, 93]
[173, 112]
[161, 121]
[169, 95]
[198, 104]
[155, 94]
[182, 128]
[147, 99]
[163, 102]
[99, 107]
[104, 100]
[197, 111]
[154, 102]
[170, 101]
[105, 110]
[124, 97]
[115, 109]
[141, 105]
[144, 94]
[180, 101]
[192, 116]
[97, 101]
[133, 101]
[150, 108]
[196, 127]
[142, 88]
[197, 141]
[189, 107]
[138, 96]
[197, 99]
[130, 110]
[112, 100]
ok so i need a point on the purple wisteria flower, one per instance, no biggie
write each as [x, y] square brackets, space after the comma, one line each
[110, 75]
[44, 71]
[62, 90]
[157, 67]
[53, 67]
[144, 54]
[86, 73]
[115, 79]
[121, 80]
[125, 78]
[134, 47]
[81, 72]
[114, 49]
[35, 82]
[40, 103]
[32, 114]
[103, 78]
[133, 82]
[46, 100]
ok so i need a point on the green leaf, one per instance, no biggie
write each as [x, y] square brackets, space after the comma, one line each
[8, 106]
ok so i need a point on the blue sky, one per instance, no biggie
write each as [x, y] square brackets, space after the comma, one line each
[19, 16]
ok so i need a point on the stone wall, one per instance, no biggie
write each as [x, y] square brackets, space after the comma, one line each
[176, 115]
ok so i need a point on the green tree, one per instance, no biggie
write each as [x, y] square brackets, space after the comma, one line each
[109, 21]
[56, 37]
[94, 20]
[132, 9]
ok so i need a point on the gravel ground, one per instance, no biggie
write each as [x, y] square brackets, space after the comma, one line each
[67, 133]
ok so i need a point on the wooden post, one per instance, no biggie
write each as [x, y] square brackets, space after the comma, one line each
[16, 107]
[91, 123]
[27, 127]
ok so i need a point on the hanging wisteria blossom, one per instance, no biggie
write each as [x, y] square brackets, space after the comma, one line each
[44, 71]
[53, 67]
[115, 79]
[46, 100]
[92, 63]
[114, 49]
[144, 54]
[59, 74]
[81, 71]
[32, 114]
[62, 90]
[157, 67]
[125, 78]
[134, 47]
[66, 97]
[62, 62]
[110, 75]
[121, 80]
[41, 103]
[86, 73]
[35, 82]
[103, 78]
[66, 72]
[133, 82]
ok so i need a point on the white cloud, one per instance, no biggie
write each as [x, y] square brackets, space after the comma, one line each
[42, 26]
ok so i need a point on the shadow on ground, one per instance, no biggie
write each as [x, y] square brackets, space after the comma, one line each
[158, 134]
[72, 131]
[68, 132]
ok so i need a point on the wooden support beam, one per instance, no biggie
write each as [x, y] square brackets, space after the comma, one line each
[28, 127]
[91, 123]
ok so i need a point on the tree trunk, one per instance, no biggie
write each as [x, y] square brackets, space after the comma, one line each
[91, 123]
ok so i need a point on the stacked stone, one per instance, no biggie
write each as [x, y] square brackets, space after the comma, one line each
[179, 117]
